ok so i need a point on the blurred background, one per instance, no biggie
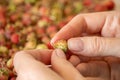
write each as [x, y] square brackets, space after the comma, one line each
[30, 24]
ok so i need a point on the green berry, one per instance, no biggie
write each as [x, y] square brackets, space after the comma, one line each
[61, 44]
[3, 49]
[30, 45]
[41, 46]
[10, 63]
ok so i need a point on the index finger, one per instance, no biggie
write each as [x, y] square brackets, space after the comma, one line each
[82, 23]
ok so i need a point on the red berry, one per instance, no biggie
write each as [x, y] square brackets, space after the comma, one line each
[10, 29]
[87, 2]
[99, 7]
[49, 46]
[15, 38]
[109, 4]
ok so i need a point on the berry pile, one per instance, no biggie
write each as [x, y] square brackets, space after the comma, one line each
[30, 24]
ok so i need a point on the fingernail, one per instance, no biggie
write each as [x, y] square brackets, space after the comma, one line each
[60, 53]
[52, 41]
[75, 44]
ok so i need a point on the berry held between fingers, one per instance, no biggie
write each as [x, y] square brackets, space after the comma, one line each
[61, 44]
[30, 24]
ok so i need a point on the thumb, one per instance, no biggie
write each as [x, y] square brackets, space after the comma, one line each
[63, 67]
[95, 46]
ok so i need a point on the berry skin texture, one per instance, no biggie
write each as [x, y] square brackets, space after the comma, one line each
[61, 44]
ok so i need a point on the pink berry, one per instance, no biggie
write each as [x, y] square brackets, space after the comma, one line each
[15, 38]
[26, 19]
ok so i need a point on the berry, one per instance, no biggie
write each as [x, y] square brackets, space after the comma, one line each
[40, 31]
[44, 11]
[109, 4]
[26, 19]
[4, 74]
[61, 44]
[49, 46]
[15, 38]
[41, 46]
[42, 23]
[99, 7]
[3, 49]
[30, 44]
[14, 17]
[45, 39]
[87, 2]
[10, 63]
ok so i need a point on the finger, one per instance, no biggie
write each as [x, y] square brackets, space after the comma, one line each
[95, 79]
[98, 69]
[95, 46]
[111, 27]
[114, 65]
[63, 67]
[90, 23]
[23, 56]
[74, 60]
[26, 66]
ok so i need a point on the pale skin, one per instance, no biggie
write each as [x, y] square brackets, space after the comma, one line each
[96, 63]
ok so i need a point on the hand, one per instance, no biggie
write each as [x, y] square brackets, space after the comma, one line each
[29, 65]
[32, 65]
[104, 24]
[105, 27]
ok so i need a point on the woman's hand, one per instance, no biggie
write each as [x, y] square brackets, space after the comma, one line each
[94, 34]
[80, 31]
[32, 65]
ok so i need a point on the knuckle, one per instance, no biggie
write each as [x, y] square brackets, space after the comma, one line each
[111, 27]
[97, 45]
